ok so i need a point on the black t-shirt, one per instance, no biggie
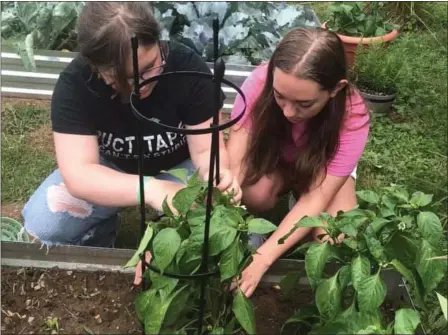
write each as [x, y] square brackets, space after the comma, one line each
[83, 104]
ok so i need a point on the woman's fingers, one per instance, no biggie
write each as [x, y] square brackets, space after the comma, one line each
[138, 270]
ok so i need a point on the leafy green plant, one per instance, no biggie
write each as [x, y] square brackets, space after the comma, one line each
[358, 19]
[45, 25]
[390, 231]
[249, 31]
[376, 69]
[176, 242]
[12, 230]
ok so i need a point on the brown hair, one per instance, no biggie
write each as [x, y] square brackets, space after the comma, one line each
[105, 30]
[308, 53]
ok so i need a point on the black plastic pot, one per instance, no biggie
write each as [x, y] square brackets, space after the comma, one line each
[379, 104]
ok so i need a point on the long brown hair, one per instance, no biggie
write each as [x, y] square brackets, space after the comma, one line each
[105, 30]
[308, 53]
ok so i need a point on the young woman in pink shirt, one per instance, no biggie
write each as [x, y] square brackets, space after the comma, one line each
[304, 130]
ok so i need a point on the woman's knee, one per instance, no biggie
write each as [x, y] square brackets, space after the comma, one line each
[262, 196]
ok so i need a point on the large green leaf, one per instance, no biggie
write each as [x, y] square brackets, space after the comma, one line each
[430, 227]
[244, 312]
[261, 226]
[328, 297]
[371, 293]
[315, 259]
[360, 270]
[231, 259]
[144, 301]
[166, 244]
[344, 276]
[368, 196]
[196, 217]
[420, 199]
[303, 315]
[141, 248]
[184, 199]
[221, 236]
[310, 222]
[406, 321]
[177, 307]
[180, 174]
[156, 312]
[430, 271]
[443, 305]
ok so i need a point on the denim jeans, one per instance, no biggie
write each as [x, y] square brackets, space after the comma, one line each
[56, 218]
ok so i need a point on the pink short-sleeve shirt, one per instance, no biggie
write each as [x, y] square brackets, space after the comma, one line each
[353, 136]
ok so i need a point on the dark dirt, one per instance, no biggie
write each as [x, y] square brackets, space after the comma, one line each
[84, 302]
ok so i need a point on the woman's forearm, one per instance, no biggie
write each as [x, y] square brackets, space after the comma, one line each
[103, 186]
[271, 250]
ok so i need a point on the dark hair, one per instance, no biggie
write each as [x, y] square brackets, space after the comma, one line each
[105, 30]
[308, 53]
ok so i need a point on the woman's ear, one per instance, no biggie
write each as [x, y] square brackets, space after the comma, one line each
[339, 86]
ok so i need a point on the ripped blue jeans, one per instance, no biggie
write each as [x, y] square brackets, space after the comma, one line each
[55, 217]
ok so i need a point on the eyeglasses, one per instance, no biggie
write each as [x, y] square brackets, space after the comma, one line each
[148, 73]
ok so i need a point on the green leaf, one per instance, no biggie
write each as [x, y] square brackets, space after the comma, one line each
[420, 199]
[290, 281]
[166, 244]
[195, 179]
[181, 174]
[161, 282]
[430, 271]
[217, 331]
[225, 215]
[177, 307]
[368, 196]
[410, 277]
[230, 327]
[376, 249]
[344, 276]
[221, 236]
[184, 199]
[155, 313]
[310, 222]
[166, 209]
[244, 312]
[406, 321]
[389, 201]
[349, 230]
[261, 226]
[143, 301]
[302, 315]
[231, 259]
[371, 293]
[430, 227]
[350, 242]
[443, 305]
[377, 224]
[356, 212]
[315, 259]
[328, 297]
[301, 248]
[360, 270]
[141, 248]
[196, 217]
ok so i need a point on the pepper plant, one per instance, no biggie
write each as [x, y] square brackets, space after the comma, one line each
[170, 305]
[388, 231]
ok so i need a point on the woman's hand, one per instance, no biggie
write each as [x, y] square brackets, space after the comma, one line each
[228, 183]
[251, 275]
[138, 270]
[317, 236]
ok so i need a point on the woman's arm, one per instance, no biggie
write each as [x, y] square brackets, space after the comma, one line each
[310, 204]
[78, 160]
[200, 149]
[237, 146]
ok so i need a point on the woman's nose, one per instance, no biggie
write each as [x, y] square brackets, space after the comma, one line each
[289, 111]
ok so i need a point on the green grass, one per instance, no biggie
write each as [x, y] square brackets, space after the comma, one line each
[24, 166]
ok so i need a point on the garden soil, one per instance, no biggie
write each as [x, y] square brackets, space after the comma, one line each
[99, 303]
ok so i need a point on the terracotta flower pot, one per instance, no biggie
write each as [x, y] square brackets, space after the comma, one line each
[351, 42]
